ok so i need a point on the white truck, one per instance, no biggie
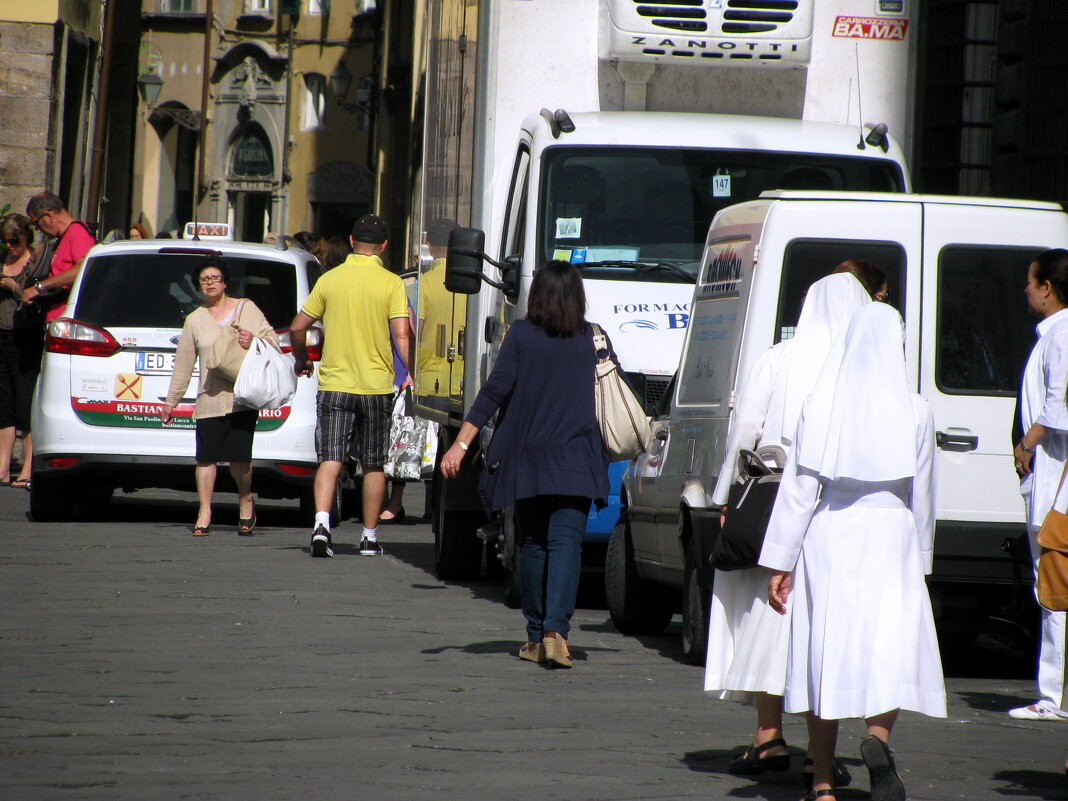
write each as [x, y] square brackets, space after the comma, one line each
[636, 147]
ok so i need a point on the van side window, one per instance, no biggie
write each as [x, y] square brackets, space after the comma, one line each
[515, 214]
[984, 329]
[808, 260]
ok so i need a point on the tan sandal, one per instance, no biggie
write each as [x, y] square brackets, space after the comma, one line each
[532, 652]
[556, 653]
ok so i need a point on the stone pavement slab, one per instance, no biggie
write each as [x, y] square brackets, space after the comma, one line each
[137, 662]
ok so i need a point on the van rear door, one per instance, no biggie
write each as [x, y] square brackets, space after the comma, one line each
[977, 333]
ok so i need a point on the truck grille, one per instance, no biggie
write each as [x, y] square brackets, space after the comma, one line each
[649, 388]
[739, 16]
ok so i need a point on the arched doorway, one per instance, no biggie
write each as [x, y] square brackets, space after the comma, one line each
[250, 174]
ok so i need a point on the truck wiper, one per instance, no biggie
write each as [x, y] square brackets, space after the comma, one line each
[643, 265]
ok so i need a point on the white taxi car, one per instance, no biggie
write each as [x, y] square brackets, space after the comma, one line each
[107, 367]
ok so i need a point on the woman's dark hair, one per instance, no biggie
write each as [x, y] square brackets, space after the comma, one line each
[211, 261]
[337, 250]
[1052, 266]
[16, 225]
[557, 302]
[868, 273]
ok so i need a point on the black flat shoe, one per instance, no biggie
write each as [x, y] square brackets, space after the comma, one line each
[842, 776]
[397, 518]
[750, 763]
[885, 783]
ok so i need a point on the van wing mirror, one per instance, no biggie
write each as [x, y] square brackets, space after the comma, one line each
[463, 265]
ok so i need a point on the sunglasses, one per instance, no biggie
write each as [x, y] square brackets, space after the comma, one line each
[13, 242]
[37, 223]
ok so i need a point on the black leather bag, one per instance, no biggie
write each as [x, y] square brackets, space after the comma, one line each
[749, 506]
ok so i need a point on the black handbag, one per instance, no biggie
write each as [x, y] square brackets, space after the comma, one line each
[749, 506]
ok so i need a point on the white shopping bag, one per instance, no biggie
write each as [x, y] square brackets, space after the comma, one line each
[266, 379]
[413, 443]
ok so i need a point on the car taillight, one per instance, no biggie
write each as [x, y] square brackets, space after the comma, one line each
[295, 469]
[64, 335]
[313, 341]
[62, 462]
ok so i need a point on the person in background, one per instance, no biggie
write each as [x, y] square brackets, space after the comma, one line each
[21, 344]
[337, 250]
[546, 459]
[137, 231]
[849, 543]
[224, 430]
[394, 509]
[747, 640]
[48, 215]
[1040, 458]
[314, 244]
[869, 274]
[361, 304]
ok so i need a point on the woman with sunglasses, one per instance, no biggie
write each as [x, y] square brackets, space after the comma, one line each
[224, 429]
[21, 343]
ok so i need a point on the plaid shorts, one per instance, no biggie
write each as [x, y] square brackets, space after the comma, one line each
[344, 420]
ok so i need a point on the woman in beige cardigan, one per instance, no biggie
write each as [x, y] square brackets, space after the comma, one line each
[224, 431]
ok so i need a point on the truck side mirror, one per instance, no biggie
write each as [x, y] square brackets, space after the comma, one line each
[463, 264]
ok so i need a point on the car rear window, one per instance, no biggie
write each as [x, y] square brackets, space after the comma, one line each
[155, 290]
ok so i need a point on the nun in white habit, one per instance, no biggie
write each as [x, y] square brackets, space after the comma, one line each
[850, 540]
[746, 659]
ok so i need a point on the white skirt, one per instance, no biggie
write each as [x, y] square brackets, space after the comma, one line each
[747, 639]
[862, 632]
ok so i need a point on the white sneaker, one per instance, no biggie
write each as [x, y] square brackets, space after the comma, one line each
[1039, 710]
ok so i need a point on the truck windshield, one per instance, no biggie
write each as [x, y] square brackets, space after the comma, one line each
[642, 213]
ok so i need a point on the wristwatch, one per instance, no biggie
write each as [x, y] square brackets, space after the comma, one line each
[463, 446]
[1025, 449]
[37, 286]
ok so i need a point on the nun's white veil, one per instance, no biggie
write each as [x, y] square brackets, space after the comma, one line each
[860, 421]
[828, 307]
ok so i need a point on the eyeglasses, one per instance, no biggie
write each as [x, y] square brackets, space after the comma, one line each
[211, 279]
[13, 242]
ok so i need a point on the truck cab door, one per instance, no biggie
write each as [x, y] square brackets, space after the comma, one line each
[977, 333]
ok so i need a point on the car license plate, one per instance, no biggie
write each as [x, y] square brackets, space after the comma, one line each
[155, 363]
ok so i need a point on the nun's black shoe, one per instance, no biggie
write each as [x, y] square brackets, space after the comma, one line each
[885, 783]
[842, 776]
[750, 763]
[397, 518]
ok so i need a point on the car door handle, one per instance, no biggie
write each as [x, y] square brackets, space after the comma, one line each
[662, 435]
[956, 442]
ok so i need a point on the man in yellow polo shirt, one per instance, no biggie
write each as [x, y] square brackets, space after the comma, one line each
[360, 303]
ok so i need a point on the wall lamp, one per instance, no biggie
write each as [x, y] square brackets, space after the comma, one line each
[341, 80]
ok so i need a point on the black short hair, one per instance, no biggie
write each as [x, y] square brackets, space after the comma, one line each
[211, 261]
[557, 300]
[1052, 266]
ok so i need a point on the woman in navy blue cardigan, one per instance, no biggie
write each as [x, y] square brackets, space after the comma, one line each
[546, 458]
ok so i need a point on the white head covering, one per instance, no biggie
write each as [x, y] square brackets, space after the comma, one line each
[828, 306]
[860, 421]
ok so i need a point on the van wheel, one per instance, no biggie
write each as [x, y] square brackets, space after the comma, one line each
[457, 548]
[636, 606]
[696, 602]
[308, 510]
[51, 500]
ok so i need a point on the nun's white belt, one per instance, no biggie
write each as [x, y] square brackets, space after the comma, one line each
[833, 498]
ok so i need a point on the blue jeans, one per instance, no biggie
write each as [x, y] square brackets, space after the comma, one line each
[551, 528]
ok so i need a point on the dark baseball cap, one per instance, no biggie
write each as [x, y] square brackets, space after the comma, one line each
[370, 228]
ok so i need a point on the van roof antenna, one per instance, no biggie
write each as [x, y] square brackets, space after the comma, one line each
[860, 100]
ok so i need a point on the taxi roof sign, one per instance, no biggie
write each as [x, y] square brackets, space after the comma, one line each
[220, 232]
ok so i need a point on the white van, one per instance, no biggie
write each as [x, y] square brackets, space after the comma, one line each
[956, 269]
